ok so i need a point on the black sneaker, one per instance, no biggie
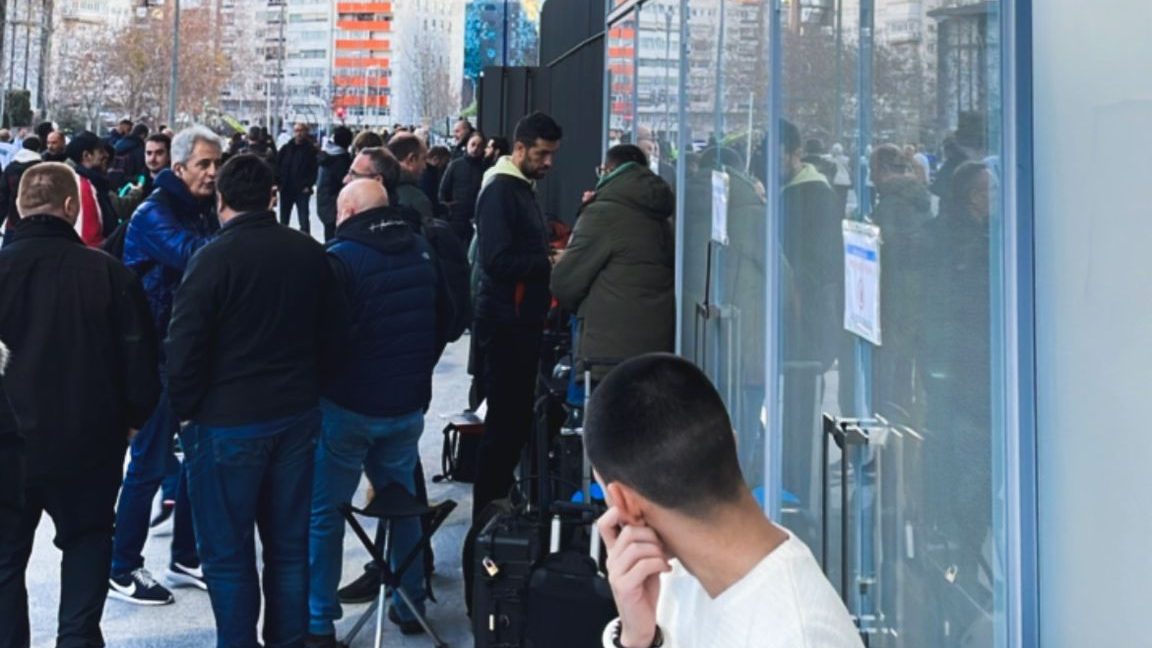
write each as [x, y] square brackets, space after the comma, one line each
[412, 627]
[139, 588]
[179, 575]
[322, 641]
[364, 589]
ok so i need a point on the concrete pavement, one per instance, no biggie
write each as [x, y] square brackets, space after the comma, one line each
[188, 623]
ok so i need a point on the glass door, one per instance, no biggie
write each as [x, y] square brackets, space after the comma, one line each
[888, 219]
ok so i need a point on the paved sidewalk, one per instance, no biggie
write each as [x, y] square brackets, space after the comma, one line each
[188, 623]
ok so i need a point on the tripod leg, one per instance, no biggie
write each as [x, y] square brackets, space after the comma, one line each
[420, 618]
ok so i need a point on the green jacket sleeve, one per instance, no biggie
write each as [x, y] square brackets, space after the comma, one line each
[587, 254]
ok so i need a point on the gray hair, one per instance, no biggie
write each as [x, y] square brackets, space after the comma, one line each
[187, 139]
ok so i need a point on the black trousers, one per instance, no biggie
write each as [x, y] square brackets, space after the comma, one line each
[84, 513]
[299, 200]
[508, 359]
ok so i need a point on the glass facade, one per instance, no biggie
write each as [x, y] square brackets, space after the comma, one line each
[841, 264]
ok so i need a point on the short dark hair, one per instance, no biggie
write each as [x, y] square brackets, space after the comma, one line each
[963, 180]
[537, 126]
[385, 165]
[789, 136]
[140, 130]
[161, 138]
[43, 129]
[439, 153]
[32, 143]
[245, 183]
[657, 425]
[125, 122]
[501, 145]
[81, 143]
[622, 154]
[403, 146]
[367, 139]
[342, 136]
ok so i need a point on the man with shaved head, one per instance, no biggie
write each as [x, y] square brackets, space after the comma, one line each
[375, 390]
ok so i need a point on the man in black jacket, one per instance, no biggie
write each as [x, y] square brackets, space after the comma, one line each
[460, 186]
[512, 300]
[10, 181]
[334, 162]
[243, 351]
[297, 168]
[83, 376]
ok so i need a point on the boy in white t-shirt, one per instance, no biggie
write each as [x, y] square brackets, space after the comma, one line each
[692, 559]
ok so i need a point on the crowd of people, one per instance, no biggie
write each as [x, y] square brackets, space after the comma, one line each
[283, 370]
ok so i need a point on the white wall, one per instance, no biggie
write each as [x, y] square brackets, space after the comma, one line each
[1093, 163]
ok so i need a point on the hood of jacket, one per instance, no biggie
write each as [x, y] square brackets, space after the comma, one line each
[906, 189]
[176, 189]
[636, 187]
[807, 173]
[128, 144]
[384, 229]
[25, 156]
[505, 166]
[331, 149]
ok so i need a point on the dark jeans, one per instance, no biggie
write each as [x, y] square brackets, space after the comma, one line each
[298, 200]
[241, 479]
[83, 514]
[151, 452]
[508, 354]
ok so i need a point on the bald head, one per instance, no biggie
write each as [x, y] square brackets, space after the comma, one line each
[359, 196]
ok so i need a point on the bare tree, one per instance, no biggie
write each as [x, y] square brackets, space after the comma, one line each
[426, 80]
[83, 88]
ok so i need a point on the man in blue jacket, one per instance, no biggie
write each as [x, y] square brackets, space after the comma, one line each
[376, 388]
[173, 223]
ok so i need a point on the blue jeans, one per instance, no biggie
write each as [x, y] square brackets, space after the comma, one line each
[247, 477]
[151, 451]
[386, 449]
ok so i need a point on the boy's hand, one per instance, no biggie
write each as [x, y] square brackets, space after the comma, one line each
[636, 558]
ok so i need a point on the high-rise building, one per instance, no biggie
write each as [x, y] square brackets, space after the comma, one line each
[361, 64]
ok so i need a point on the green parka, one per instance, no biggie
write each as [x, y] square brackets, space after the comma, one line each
[618, 272]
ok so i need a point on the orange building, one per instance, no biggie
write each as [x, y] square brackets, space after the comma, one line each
[362, 60]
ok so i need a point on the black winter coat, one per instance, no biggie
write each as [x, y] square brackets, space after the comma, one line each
[248, 323]
[333, 167]
[459, 188]
[84, 366]
[9, 184]
[297, 166]
[512, 251]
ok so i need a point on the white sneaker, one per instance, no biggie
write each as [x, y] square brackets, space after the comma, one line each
[183, 576]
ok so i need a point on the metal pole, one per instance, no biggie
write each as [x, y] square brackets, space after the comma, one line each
[175, 81]
[667, 82]
[27, 39]
[839, 117]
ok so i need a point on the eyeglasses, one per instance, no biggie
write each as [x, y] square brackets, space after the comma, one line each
[601, 171]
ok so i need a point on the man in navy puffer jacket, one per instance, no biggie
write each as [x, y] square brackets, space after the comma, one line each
[175, 221]
[375, 390]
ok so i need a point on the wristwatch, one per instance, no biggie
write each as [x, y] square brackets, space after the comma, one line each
[618, 629]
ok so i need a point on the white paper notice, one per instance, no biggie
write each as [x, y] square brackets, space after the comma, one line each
[862, 280]
[720, 207]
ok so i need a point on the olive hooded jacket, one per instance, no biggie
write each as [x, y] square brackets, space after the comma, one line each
[618, 273]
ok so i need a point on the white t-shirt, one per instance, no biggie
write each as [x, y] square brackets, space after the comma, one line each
[784, 602]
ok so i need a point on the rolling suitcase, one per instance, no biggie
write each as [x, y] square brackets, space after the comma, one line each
[504, 552]
[569, 601]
